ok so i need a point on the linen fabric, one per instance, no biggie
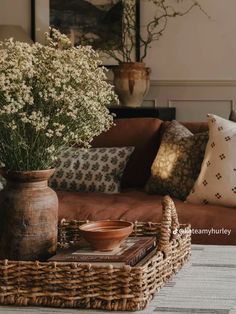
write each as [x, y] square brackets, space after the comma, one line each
[178, 161]
[216, 183]
[91, 170]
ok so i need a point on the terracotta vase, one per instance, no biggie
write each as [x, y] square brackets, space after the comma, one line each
[131, 82]
[28, 216]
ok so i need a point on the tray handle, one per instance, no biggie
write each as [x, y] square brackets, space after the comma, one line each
[169, 224]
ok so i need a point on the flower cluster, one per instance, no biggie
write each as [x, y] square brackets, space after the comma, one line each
[50, 96]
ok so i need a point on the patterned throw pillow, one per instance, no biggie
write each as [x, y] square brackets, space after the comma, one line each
[178, 161]
[216, 183]
[91, 170]
[232, 116]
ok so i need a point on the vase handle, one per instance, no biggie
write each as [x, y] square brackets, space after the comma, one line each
[148, 71]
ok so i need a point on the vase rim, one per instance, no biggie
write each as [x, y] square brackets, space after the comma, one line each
[28, 176]
[132, 62]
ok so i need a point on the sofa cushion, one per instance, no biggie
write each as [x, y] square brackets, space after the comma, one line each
[144, 135]
[216, 183]
[178, 161]
[135, 205]
[91, 170]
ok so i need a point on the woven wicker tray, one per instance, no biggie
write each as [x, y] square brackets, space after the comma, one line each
[69, 284]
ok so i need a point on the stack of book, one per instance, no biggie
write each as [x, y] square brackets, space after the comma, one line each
[134, 251]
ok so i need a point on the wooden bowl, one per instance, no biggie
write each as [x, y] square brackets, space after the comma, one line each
[106, 235]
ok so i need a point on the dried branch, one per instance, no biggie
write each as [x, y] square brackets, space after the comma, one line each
[156, 27]
[152, 31]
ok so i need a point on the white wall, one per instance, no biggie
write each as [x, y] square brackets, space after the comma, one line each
[194, 47]
[16, 12]
[194, 99]
[194, 63]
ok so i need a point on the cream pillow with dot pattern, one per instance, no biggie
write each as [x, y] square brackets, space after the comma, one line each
[216, 183]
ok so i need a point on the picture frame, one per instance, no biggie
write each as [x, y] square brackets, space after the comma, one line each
[68, 20]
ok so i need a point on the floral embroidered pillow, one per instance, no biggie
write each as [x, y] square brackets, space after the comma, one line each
[216, 183]
[91, 170]
[178, 161]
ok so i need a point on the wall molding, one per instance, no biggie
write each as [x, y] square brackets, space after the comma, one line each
[199, 100]
[212, 83]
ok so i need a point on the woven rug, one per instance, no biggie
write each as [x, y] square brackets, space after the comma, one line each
[207, 285]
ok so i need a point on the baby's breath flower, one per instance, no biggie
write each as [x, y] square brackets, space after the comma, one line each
[50, 96]
[12, 125]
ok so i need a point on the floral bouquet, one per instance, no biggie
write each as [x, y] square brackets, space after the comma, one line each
[50, 96]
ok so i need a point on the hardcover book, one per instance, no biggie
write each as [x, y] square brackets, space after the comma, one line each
[129, 253]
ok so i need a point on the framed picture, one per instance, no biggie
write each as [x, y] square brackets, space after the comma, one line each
[98, 20]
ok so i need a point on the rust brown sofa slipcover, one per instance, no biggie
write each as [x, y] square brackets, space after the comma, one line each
[209, 222]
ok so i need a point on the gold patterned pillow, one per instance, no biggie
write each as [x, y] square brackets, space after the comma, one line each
[91, 170]
[178, 161]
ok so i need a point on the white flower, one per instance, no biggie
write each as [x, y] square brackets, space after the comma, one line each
[50, 96]
[12, 125]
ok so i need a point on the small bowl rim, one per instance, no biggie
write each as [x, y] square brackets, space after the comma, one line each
[129, 225]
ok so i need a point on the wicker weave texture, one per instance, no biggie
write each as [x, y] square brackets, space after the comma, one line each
[70, 284]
